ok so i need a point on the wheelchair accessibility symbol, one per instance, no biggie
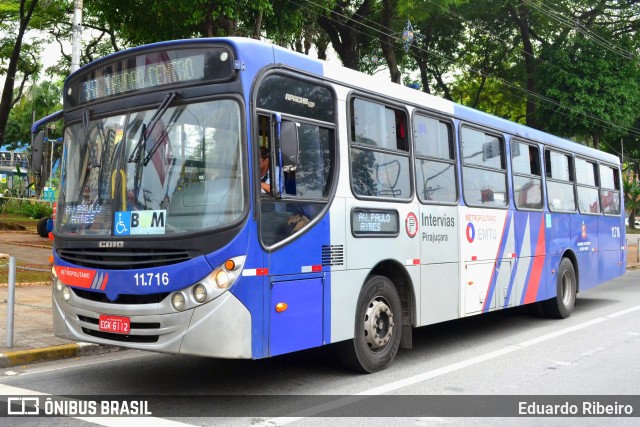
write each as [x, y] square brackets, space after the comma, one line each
[122, 223]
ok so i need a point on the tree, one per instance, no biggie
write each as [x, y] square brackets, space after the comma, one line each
[596, 91]
[346, 27]
[24, 14]
[631, 189]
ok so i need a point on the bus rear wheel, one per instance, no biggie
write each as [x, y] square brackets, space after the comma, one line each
[378, 327]
[562, 305]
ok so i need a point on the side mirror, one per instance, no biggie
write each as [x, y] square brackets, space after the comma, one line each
[37, 153]
[289, 144]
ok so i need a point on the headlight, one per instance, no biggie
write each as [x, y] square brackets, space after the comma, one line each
[209, 287]
[222, 279]
[177, 301]
[58, 285]
[66, 293]
[199, 293]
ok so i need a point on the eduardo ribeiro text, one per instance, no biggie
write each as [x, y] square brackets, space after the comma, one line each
[567, 408]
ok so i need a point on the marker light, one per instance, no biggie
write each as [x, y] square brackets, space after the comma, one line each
[177, 301]
[281, 306]
[66, 293]
[199, 293]
[230, 265]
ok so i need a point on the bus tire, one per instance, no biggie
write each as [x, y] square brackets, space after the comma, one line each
[378, 327]
[562, 305]
[42, 227]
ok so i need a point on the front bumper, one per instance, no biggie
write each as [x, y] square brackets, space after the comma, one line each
[220, 328]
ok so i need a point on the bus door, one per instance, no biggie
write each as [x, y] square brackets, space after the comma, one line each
[295, 232]
[438, 218]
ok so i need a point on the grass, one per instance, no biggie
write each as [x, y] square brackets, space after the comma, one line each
[24, 274]
[8, 221]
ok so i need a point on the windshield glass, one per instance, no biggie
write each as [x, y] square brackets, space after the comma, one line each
[123, 177]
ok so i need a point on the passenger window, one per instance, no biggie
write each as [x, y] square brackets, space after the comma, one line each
[560, 192]
[588, 198]
[610, 190]
[527, 182]
[483, 171]
[379, 151]
[435, 164]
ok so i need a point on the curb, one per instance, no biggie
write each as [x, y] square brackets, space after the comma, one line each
[57, 352]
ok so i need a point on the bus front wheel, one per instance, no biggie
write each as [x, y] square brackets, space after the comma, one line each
[378, 327]
[562, 305]
[42, 227]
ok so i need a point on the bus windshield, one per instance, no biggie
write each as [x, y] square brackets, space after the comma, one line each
[183, 173]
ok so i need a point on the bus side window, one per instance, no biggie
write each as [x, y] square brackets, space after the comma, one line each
[560, 192]
[527, 182]
[380, 163]
[610, 190]
[435, 160]
[483, 169]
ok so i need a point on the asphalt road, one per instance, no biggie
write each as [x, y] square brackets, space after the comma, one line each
[494, 358]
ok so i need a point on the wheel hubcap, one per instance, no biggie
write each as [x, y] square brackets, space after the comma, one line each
[378, 324]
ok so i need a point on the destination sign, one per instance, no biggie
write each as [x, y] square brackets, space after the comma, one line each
[375, 222]
[150, 70]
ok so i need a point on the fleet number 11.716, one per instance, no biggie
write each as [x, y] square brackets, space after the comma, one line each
[151, 279]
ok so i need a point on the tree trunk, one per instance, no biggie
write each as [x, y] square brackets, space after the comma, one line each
[12, 69]
[346, 32]
[388, 43]
[322, 44]
[258, 26]
[521, 18]
[208, 21]
[424, 75]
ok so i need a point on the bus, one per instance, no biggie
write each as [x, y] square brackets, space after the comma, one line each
[390, 209]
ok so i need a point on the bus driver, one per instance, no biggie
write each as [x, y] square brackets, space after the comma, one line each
[265, 172]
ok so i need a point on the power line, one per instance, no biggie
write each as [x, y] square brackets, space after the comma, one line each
[494, 36]
[579, 27]
[605, 123]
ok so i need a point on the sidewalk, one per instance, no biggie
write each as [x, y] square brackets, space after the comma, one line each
[33, 338]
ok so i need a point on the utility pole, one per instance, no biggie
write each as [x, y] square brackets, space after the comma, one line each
[77, 35]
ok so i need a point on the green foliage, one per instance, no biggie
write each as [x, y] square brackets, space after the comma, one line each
[490, 96]
[597, 90]
[631, 190]
[43, 99]
[29, 208]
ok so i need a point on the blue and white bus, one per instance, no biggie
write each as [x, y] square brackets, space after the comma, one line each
[390, 208]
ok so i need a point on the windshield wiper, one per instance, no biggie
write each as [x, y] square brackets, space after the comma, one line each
[147, 130]
[155, 147]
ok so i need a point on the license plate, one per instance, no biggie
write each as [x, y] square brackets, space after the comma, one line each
[115, 324]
